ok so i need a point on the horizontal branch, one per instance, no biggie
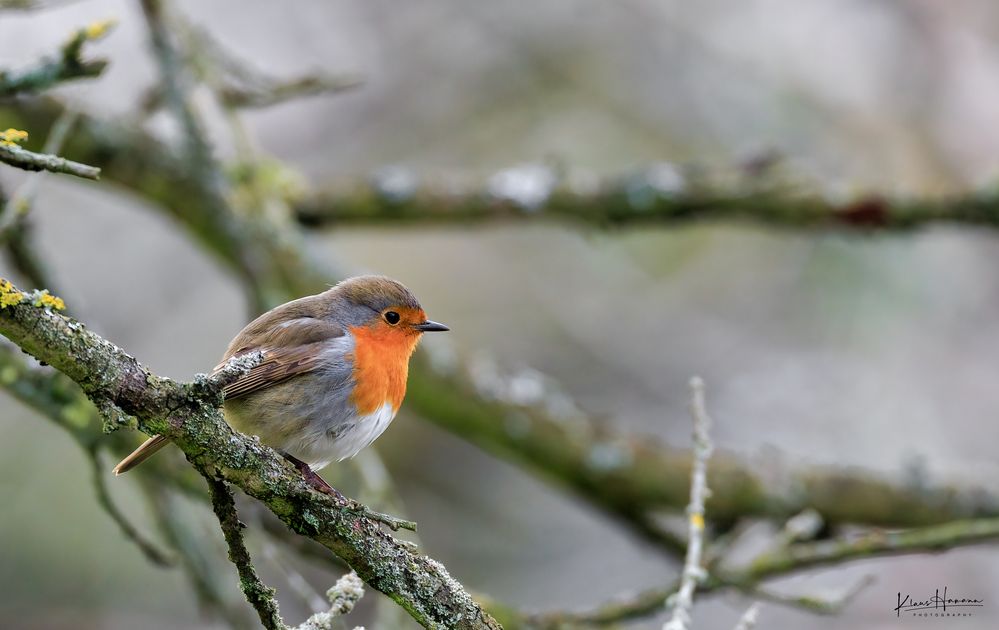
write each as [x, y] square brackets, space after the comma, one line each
[662, 194]
[188, 414]
[30, 161]
[801, 556]
[782, 562]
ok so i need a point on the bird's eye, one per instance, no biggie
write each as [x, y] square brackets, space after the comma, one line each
[392, 317]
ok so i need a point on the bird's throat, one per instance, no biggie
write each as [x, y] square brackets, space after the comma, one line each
[380, 367]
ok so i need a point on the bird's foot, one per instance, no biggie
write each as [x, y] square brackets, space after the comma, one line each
[313, 479]
[320, 484]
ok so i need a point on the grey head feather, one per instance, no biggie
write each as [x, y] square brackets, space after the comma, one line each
[356, 300]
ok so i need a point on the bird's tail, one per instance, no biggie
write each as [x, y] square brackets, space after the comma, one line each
[141, 454]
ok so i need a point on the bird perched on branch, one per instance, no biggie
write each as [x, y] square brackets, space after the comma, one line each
[332, 376]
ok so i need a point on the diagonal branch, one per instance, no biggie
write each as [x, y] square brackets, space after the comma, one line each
[152, 552]
[67, 66]
[188, 414]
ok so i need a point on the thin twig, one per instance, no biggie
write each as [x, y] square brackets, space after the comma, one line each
[149, 549]
[176, 89]
[19, 203]
[68, 65]
[693, 572]
[343, 596]
[814, 603]
[875, 543]
[31, 161]
[195, 551]
[748, 619]
[259, 595]
[19, 247]
[295, 580]
[238, 84]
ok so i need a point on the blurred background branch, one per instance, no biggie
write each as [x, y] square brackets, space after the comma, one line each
[658, 194]
[68, 65]
[30, 161]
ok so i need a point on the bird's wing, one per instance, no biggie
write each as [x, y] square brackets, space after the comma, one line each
[295, 347]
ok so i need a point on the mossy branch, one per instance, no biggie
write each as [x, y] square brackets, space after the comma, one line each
[188, 414]
[30, 161]
[260, 596]
[658, 195]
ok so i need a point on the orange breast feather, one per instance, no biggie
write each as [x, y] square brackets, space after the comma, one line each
[381, 367]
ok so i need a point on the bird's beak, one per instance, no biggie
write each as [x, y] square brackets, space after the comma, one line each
[429, 326]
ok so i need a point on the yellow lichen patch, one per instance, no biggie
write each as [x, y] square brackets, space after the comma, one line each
[97, 30]
[9, 295]
[697, 520]
[12, 137]
[45, 300]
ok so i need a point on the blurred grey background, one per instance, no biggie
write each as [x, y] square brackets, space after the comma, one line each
[817, 347]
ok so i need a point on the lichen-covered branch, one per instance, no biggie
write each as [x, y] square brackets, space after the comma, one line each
[683, 600]
[661, 194]
[343, 596]
[66, 66]
[188, 414]
[195, 551]
[15, 210]
[260, 596]
[17, 157]
[59, 399]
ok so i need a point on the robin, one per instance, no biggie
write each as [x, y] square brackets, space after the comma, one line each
[332, 375]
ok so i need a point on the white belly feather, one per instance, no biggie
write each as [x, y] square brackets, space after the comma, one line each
[320, 448]
[365, 430]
